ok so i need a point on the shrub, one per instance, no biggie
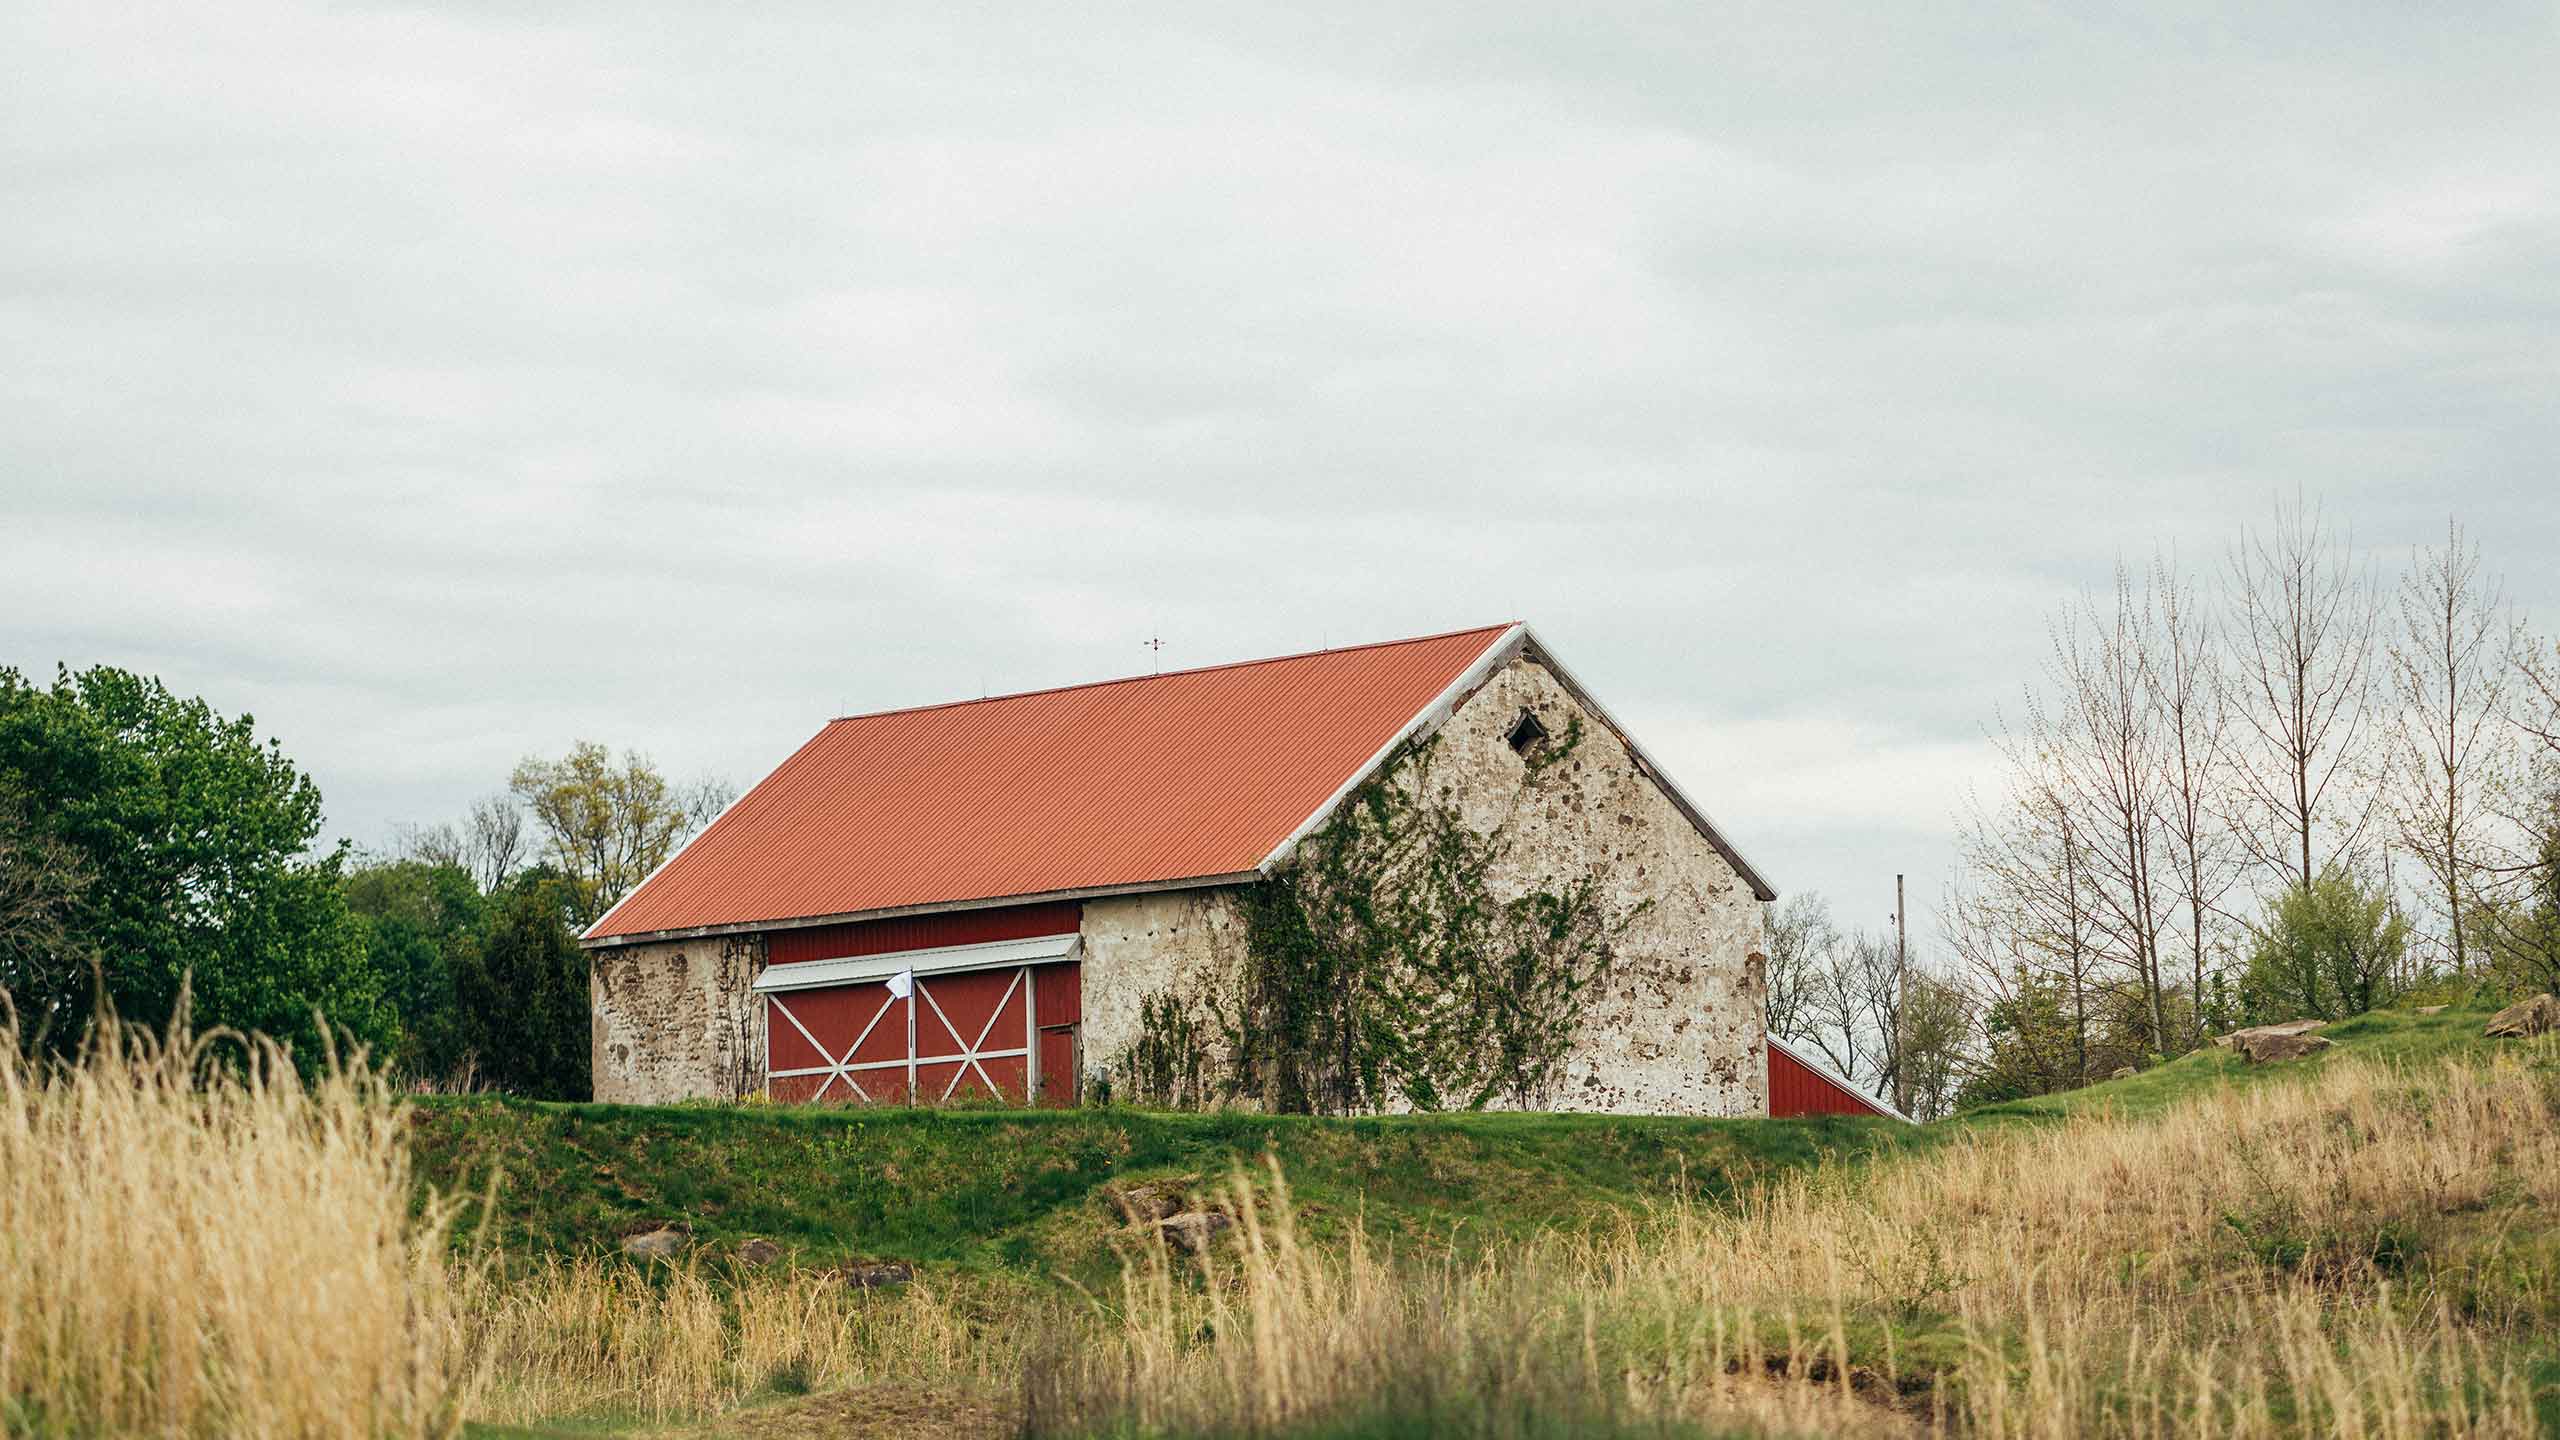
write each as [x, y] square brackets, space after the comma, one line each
[2330, 949]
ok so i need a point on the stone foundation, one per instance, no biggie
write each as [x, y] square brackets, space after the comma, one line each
[677, 1020]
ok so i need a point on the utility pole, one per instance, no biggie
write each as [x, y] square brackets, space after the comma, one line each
[1901, 1002]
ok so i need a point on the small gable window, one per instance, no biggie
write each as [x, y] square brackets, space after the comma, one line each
[1526, 732]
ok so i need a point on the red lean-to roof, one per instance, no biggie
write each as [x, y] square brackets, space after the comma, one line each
[1126, 783]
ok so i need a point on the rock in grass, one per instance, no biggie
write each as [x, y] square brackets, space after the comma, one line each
[1193, 1231]
[2526, 1018]
[658, 1242]
[2235, 1040]
[2286, 1044]
[875, 1274]
[759, 1252]
[2124, 1072]
[2432, 1009]
[1148, 1201]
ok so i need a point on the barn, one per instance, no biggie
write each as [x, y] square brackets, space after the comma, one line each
[980, 900]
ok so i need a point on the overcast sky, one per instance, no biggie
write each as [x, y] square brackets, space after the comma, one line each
[442, 385]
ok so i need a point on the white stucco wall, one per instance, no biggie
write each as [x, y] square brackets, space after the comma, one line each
[1679, 1026]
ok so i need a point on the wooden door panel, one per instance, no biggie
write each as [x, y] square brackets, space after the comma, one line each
[972, 1039]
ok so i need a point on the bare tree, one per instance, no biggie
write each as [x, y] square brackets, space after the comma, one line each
[494, 840]
[438, 844]
[2006, 980]
[1934, 1029]
[2449, 682]
[2101, 874]
[2029, 914]
[1852, 1010]
[2519, 880]
[2303, 621]
[2190, 704]
[490, 844]
[2093, 751]
[46, 958]
[1891, 1030]
[1802, 940]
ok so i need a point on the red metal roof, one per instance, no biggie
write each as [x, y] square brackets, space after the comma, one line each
[1130, 782]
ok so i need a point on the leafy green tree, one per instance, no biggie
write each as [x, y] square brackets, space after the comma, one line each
[2032, 1036]
[196, 842]
[418, 920]
[521, 990]
[2330, 949]
[606, 825]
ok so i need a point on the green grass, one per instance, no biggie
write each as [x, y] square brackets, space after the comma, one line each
[2398, 1036]
[1024, 1191]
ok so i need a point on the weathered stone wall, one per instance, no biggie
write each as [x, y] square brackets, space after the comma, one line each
[1679, 1025]
[677, 1020]
[1141, 945]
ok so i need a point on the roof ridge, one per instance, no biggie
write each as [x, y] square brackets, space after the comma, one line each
[1498, 629]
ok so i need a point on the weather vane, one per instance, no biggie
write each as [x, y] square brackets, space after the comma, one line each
[1155, 643]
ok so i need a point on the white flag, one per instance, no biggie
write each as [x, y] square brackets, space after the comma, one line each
[902, 984]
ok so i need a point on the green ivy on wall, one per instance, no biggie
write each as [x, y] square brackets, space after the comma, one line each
[1379, 965]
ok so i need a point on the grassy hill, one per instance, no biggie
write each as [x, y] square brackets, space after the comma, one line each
[1027, 1191]
[2359, 1243]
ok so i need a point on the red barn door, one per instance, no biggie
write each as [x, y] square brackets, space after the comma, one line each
[957, 1036]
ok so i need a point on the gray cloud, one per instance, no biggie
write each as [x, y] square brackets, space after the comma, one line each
[444, 383]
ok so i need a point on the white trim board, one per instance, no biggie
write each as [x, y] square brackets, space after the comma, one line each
[934, 960]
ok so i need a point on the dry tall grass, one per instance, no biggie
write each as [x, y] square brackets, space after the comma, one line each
[1283, 1336]
[598, 1337]
[190, 1248]
[193, 1242]
[2314, 1259]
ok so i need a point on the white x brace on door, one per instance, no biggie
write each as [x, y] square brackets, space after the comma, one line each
[969, 1026]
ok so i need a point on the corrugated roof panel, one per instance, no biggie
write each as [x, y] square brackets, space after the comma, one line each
[1127, 782]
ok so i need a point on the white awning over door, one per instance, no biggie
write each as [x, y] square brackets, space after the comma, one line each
[856, 969]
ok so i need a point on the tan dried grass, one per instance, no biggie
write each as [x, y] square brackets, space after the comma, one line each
[194, 1242]
[196, 1248]
[594, 1336]
[2280, 1260]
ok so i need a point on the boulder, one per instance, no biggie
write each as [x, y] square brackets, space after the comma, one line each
[2124, 1072]
[1147, 1201]
[1193, 1231]
[2526, 1018]
[759, 1252]
[658, 1242]
[2289, 1027]
[2260, 1049]
[874, 1274]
